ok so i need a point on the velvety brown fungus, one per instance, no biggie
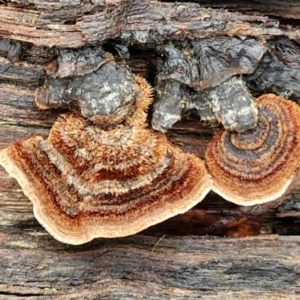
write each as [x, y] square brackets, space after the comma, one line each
[86, 180]
[261, 164]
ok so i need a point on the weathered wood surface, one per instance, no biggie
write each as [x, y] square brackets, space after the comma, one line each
[288, 10]
[74, 24]
[170, 260]
[33, 266]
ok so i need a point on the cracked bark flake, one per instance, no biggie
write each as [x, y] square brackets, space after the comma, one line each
[207, 69]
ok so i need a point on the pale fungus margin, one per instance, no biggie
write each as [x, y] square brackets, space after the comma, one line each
[262, 164]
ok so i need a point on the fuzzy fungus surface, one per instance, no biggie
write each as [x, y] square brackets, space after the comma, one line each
[261, 164]
[87, 180]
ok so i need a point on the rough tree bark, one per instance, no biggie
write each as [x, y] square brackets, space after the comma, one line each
[173, 260]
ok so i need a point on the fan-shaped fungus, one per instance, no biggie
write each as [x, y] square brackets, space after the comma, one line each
[261, 164]
[86, 180]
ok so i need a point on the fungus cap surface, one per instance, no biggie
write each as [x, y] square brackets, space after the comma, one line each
[259, 165]
[101, 178]
[86, 182]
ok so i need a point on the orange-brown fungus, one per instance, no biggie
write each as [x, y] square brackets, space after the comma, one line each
[259, 165]
[86, 181]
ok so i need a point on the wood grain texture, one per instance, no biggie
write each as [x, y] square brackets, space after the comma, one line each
[175, 259]
[151, 21]
[272, 8]
[144, 267]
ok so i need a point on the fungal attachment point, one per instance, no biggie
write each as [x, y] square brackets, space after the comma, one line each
[261, 164]
[110, 95]
[86, 180]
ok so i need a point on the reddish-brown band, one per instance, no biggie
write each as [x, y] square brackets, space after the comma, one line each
[85, 182]
[257, 166]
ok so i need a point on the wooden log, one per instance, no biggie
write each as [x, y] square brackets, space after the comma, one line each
[170, 260]
[34, 266]
[136, 21]
[271, 8]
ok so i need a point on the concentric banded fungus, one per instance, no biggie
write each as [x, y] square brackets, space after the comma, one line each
[87, 181]
[259, 165]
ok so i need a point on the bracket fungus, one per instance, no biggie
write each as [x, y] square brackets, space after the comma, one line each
[261, 164]
[278, 71]
[87, 180]
[230, 104]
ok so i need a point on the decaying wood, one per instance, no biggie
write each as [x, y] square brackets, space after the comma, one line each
[148, 267]
[74, 25]
[170, 260]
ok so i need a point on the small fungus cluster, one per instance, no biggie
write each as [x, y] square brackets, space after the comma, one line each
[104, 173]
